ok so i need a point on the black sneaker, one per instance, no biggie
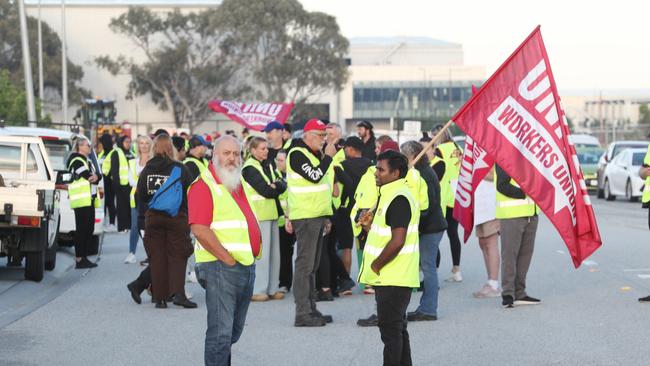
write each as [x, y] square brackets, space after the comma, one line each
[145, 262]
[327, 318]
[346, 286]
[527, 300]
[416, 316]
[84, 263]
[645, 299]
[162, 304]
[182, 300]
[507, 302]
[324, 295]
[309, 321]
[371, 321]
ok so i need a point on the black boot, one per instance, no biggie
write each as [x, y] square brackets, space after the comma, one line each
[136, 290]
[161, 304]
[182, 300]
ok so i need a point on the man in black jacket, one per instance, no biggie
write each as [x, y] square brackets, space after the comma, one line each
[364, 130]
[432, 227]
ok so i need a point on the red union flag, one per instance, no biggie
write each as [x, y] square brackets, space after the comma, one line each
[474, 166]
[517, 118]
[253, 116]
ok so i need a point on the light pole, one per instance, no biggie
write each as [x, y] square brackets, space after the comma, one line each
[27, 66]
[40, 61]
[64, 66]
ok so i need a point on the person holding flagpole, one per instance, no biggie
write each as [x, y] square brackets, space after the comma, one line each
[518, 219]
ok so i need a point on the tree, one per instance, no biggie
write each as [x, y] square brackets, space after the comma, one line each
[185, 62]
[291, 54]
[11, 56]
[644, 114]
[13, 102]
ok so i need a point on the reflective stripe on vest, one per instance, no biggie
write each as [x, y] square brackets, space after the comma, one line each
[265, 208]
[79, 192]
[510, 208]
[307, 200]
[404, 269]
[645, 198]
[123, 168]
[228, 225]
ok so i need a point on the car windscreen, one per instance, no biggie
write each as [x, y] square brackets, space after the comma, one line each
[589, 157]
[58, 151]
[637, 158]
[620, 147]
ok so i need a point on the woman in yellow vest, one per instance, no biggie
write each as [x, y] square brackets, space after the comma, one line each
[82, 193]
[135, 168]
[263, 188]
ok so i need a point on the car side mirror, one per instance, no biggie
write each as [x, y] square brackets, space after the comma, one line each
[63, 177]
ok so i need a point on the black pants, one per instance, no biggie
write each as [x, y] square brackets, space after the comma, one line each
[331, 267]
[452, 234]
[392, 302]
[109, 200]
[84, 219]
[287, 242]
[122, 195]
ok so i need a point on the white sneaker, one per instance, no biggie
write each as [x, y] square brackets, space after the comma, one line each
[110, 228]
[191, 277]
[455, 277]
[283, 289]
[130, 259]
[486, 292]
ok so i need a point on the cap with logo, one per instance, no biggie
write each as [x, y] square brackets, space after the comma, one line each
[314, 124]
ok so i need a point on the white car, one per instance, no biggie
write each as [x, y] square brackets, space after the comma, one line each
[58, 144]
[613, 149]
[622, 175]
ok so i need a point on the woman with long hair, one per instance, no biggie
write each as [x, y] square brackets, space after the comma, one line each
[263, 187]
[166, 238]
[135, 168]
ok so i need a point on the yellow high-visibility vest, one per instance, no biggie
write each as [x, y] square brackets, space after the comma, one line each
[307, 200]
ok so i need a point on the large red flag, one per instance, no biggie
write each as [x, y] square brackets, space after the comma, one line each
[474, 166]
[253, 116]
[517, 118]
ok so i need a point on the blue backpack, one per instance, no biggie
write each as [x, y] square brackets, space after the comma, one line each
[169, 196]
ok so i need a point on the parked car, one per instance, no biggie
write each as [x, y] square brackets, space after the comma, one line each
[622, 175]
[612, 150]
[581, 141]
[588, 158]
[59, 145]
[29, 201]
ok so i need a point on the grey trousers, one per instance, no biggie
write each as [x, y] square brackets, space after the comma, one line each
[517, 244]
[309, 242]
[267, 269]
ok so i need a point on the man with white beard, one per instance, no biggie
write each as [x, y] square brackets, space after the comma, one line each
[228, 243]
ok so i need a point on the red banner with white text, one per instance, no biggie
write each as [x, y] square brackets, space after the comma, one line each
[254, 116]
[474, 166]
[517, 118]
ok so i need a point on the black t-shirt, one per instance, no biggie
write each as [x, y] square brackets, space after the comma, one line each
[398, 213]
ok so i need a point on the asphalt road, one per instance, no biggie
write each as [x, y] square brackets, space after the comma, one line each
[588, 316]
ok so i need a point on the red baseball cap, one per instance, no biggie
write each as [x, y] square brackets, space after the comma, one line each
[389, 145]
[314, 124]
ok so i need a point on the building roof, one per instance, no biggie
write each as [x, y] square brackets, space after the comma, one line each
[389, 41]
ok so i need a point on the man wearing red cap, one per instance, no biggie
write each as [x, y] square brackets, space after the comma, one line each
[309, 204]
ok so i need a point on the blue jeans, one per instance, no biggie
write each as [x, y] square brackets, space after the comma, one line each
[228, 292]
[428, 251]
[134, 236]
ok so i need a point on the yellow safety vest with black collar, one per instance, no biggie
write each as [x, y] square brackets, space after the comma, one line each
[134, 176]
[418, 188]
[79, 191]
[336, 162]
[202, 163]
[645, 198]
[445, 186]
[452, 170]
[283, 203]
[307, 200]
[265, 208]
[229, 225]
[404, 269]
[123, 168]
[510, 208]
[365, 197]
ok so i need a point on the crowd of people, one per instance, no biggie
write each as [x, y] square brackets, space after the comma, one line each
[246, 208]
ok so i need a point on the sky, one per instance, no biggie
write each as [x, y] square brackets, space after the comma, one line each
[593, 45]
